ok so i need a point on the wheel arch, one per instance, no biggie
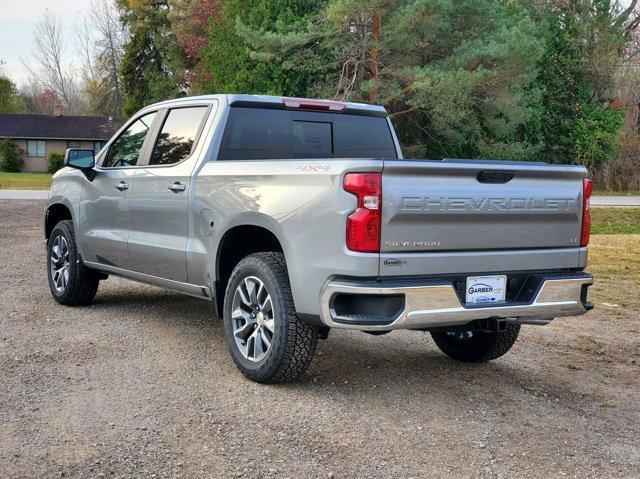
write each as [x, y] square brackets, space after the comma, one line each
[55, 213]
[238, 241]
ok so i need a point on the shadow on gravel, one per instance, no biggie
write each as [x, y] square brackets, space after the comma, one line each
[147, 296]
[353, 363]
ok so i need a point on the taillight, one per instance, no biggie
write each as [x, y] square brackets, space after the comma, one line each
[587, 188]
[363, 225]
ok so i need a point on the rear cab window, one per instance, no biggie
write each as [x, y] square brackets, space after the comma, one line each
[275, 134]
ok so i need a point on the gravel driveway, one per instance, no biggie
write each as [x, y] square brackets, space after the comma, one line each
[141, 384]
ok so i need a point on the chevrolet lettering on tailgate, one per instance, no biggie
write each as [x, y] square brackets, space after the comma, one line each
[411, 203]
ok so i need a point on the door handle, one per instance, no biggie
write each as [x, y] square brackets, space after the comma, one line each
[177, 186]
[122, 186]
[495, 176]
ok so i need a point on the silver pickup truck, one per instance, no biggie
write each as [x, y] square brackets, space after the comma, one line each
[296, 216]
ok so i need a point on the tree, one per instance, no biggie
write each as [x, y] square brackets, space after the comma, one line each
[10, 99]
[584, 41]
[51, 71]
[456, 75]
[29, 91]
[10, 156]
[96, 98]
[100, 39]
[460, 78]
[93, 87]
[233, 68]
[84, 49]
[152, 60]
[46, 102]
[108, 50]
[189, 21]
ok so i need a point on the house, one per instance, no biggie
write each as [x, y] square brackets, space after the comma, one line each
[40, 135]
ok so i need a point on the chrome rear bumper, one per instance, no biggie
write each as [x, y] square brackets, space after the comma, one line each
[434, 304]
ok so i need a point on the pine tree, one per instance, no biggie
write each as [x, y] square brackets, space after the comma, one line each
[582, 53]
[153, 60]
[456, 75]
[233, 68]
[10, 99]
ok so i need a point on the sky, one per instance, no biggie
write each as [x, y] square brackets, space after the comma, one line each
[17, 23]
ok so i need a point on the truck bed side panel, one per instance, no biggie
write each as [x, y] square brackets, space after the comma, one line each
[301, 202]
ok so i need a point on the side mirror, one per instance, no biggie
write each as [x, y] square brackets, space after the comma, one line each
[79, 158]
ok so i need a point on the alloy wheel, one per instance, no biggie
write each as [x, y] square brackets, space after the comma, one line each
[252, 319]
[60, 263]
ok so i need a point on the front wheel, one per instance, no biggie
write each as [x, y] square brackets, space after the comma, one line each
[266, 340]
[70, 281]
[476, 346]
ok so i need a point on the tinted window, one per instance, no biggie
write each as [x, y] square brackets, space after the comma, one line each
[362, 137]
[262, 134]
[253, 134]
[125, 150]
[311, 139]
[177, 136]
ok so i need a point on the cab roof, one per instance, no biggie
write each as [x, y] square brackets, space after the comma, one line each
[279, 102]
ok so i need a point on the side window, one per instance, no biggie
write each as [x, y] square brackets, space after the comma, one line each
[125, 150]
[177, 136]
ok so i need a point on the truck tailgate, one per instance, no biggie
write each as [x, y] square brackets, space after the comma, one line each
[463, 205]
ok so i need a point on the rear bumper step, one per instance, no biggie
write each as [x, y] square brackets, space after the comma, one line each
[430, 304]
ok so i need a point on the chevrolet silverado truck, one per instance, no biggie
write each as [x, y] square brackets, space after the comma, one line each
[296, 216]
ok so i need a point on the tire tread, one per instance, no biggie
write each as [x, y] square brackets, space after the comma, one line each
[83, 282]
[302, 338]
[493, 345]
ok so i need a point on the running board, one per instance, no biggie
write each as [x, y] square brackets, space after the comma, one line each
[203, 292]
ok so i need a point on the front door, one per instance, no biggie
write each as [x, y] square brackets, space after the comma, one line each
[158, 197]
[104, 209]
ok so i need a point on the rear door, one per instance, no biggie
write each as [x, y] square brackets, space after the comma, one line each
[461, 205]
[159, 192]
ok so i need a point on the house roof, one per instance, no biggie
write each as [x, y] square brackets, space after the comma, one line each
[49, 127]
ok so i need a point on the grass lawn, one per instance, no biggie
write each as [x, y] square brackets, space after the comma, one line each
[616, 193]
[614, 261]
[24, 181]
[615, 221]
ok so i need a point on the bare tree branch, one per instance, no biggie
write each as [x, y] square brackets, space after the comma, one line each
[50, 70]
[109, 46]
[84, 48]
[626, 13]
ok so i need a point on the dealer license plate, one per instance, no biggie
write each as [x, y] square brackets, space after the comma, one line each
[486, 289]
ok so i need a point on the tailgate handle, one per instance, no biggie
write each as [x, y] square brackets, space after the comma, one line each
[495, 176]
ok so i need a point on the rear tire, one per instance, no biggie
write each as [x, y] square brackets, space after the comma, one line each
[267, 342]
[70, 281]
[476, 346]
